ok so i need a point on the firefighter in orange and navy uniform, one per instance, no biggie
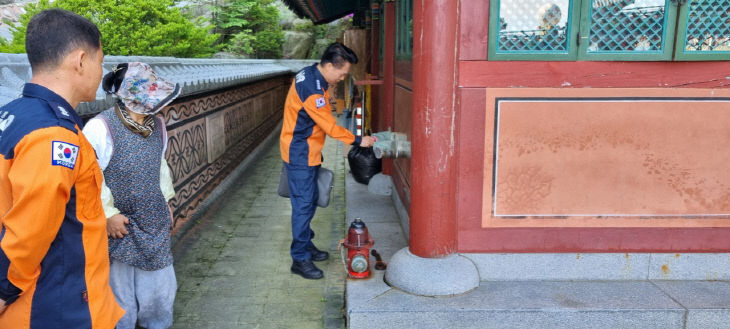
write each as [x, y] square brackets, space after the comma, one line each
[307, 118]
[54, 263]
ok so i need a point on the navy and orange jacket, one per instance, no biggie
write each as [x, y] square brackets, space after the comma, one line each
[307, 118]
[54, 261]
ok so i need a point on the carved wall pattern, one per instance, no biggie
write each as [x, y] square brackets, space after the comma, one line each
[250, 113]
[192, 106]
[186, 150]
[238, 120]
[189, 196]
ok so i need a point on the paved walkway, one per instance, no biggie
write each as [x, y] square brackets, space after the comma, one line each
[233, 266]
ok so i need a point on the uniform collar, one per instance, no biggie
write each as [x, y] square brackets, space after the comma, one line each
[58, 104]
[320, 78]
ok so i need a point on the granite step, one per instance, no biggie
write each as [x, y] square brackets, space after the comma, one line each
[547, 304]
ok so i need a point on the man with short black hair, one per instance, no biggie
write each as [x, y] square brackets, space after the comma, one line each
[307, 118]
[54, 262]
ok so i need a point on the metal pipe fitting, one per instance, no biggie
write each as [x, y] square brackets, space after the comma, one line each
[391, 145]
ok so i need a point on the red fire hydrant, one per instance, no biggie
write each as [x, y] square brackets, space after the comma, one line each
[358, 243]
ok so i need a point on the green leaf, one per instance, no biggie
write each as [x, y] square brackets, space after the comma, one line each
[249, 27]
[131, 27]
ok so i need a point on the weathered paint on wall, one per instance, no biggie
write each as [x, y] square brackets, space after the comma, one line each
[605, 157]
[513, 74]
[601, 237]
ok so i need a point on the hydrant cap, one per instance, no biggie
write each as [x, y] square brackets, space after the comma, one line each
[357, 224]
[358, 236]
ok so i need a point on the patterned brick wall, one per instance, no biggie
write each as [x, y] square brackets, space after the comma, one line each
[212, 133]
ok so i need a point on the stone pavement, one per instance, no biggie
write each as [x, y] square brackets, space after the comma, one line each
[232, 267]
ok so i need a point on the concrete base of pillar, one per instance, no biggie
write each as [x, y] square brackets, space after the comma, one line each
[447, 276]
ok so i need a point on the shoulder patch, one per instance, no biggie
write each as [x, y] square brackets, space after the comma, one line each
[5, 120]
[64, 154]
[320, 102]
[62, 110]
[300, 77]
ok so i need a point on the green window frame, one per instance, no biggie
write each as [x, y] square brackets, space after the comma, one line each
[650, 39]
[696, 43]
[611, 30]
[520, 44]
[404, 29]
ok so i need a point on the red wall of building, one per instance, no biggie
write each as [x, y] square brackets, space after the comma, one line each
[476, 75]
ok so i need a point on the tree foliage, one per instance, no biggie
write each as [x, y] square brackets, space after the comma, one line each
[131, 27]
[249, 27]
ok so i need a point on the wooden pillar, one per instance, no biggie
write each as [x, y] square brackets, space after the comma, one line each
[433, 168]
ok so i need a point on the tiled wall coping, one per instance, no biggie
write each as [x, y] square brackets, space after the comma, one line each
[194, 75]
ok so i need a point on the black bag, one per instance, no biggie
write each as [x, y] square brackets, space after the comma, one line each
[363, 164]
[325, 180]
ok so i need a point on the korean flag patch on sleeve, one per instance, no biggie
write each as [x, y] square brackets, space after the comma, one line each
[64, 154]
[320, 102]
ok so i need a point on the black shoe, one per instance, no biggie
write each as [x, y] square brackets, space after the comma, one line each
[306, 269]
[318, 255]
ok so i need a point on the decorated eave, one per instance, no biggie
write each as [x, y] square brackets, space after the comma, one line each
[325, 11]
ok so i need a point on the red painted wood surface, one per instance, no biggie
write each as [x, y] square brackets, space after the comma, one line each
[470, 166]
[402, 186]
[595, 74]
[374, 71]
[404, 69]
[474, 30]
[433, 171]
[472, 237]
[387, 89]
[570, 160]
[402, 123]
[433, 216]
[477, 73]
[594, 240]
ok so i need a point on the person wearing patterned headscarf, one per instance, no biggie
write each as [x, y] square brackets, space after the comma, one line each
[130, 143]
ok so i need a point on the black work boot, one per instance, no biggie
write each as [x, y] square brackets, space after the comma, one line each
[318, 255]
[306, 269]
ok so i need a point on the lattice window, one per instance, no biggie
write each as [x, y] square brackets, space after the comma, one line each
[533, 26]
[708, 26]
[609, 30]
[404, 29]
[627, 25]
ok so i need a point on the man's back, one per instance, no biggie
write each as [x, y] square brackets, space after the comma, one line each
[307, 118]
[53, 244]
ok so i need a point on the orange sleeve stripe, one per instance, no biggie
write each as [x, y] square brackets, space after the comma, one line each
[322, 116]
[291, 107]
[38, 203]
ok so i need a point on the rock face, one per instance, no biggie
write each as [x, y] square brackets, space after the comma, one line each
[10, 12]
[286, 16]
[18, 2]
[297, 44]
[196, 8]
[319, 46]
